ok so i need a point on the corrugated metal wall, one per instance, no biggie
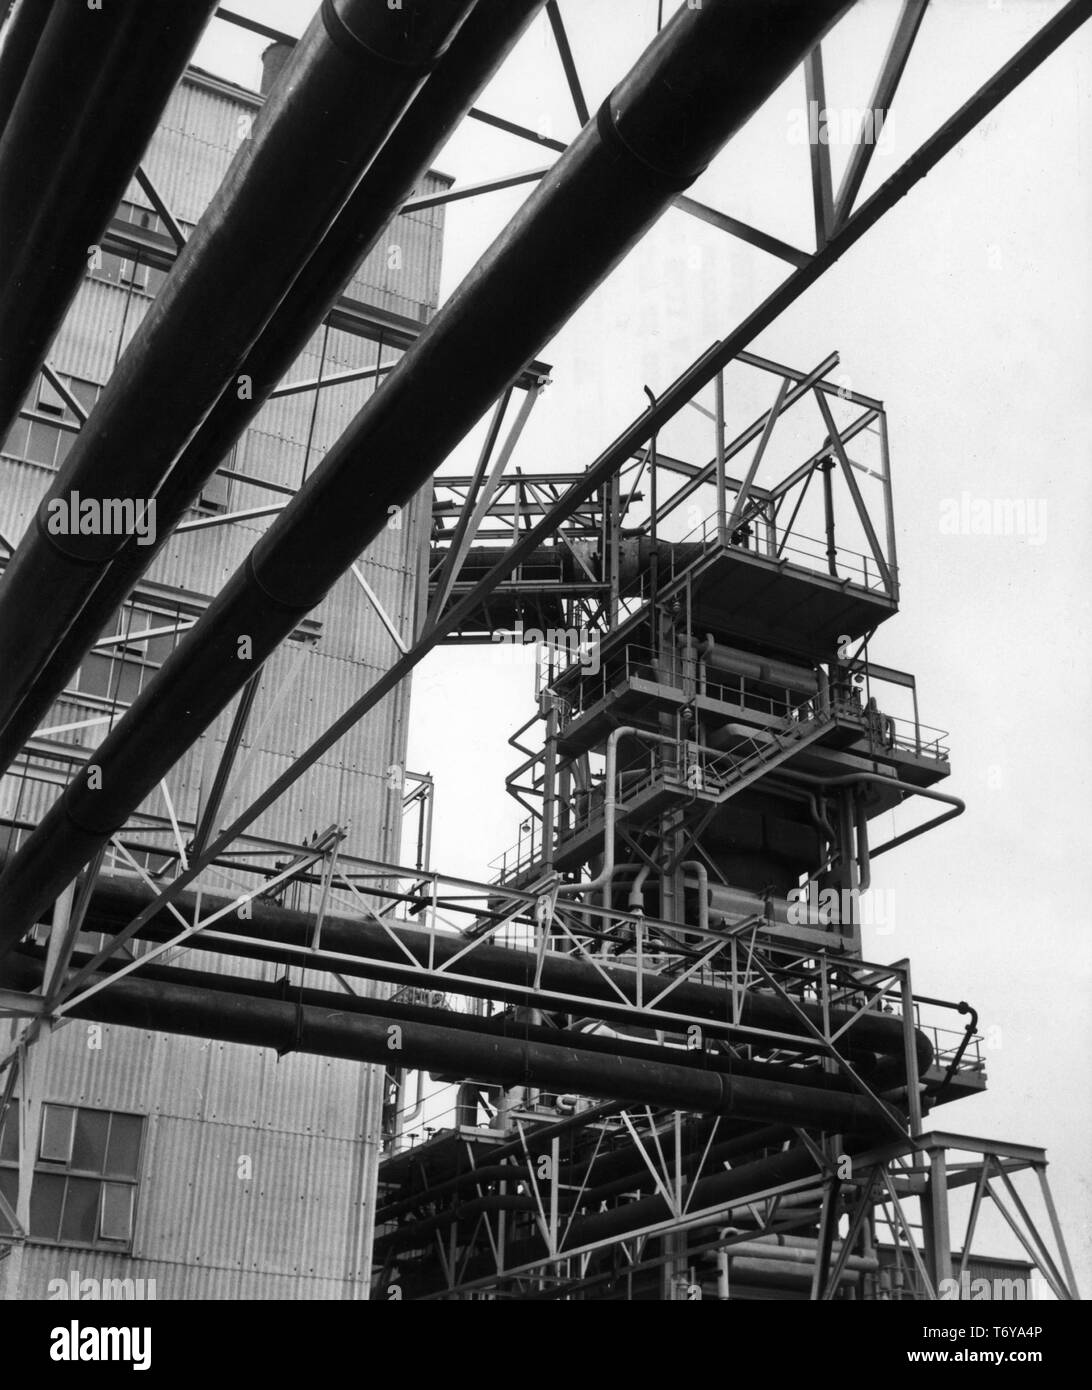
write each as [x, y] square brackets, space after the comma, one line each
[299, 1225]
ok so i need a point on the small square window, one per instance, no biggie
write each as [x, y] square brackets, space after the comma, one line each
[117, 1211]
[50, 400]
[94, 677]
[158, 649]
[214, 493]
[56, 1145]
[135, 274]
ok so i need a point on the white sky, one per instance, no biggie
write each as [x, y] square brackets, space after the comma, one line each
[966, 310]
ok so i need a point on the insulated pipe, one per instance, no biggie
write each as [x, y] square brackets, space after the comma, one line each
[807, 1077]
[88, 105]
[503, 972]
[348, 80]
[637, 889]
[771, 1273]
[287, 1026]
[411, 1112]
[864, 862]
[733, 661]
[18, 41]
[795, 1250]
[499, 1026]
[702, 875]
[605, 877]
[852, 779]
[702, 77]
[477, 50]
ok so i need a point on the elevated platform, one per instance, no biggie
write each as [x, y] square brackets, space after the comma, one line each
[783, 603]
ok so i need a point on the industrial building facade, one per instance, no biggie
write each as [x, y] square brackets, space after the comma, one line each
[217, 1171]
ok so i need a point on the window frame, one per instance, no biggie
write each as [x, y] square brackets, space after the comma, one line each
[62, 421]
[65, 1170]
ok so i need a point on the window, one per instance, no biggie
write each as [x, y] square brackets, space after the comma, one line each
[86, 1174]
[38, 435]
[119, 270]
[50, 400]
[118, 670]
[213, 497]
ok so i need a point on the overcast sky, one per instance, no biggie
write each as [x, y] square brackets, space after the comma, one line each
[967, 311]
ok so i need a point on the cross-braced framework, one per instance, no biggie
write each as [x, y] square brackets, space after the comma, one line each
[535, 952]
[514, 1208]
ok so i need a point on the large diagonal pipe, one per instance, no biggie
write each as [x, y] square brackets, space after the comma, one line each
[18, 40]
[705, 73]
[481, 45]
[348, 80]
[82, 116]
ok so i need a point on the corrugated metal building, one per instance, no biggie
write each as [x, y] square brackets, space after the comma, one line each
[217, 1171]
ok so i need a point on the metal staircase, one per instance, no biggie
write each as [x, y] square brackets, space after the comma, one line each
[730, 772]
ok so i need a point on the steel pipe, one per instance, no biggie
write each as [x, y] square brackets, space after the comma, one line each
[482, 43]
[702, 77]
[348, 80]
[496, 972]
[18, 41]
[96, 85]
[237, 1015]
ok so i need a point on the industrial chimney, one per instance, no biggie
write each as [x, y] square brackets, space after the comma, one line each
[273, 60]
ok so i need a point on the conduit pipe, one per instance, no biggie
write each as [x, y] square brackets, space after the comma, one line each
[702, 77]
[636, 899]
[864, 861]
[605, 878]
[482, 43]
[18, 41]
[852, 779]
[346, 83]
[793, 1250]
[88, 105]
[237, 1016]
[701, 873]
